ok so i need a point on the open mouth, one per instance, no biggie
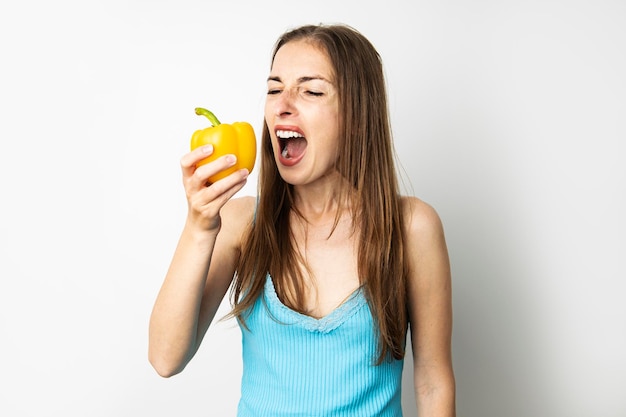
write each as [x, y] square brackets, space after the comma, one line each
[292, 144]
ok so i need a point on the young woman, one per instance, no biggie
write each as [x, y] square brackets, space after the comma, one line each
[329, 265]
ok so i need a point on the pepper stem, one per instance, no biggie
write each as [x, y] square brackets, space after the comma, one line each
[209, 115]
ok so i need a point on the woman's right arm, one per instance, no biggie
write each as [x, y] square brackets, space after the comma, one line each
[203, 264]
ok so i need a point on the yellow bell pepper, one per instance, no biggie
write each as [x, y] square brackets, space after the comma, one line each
[237, 139]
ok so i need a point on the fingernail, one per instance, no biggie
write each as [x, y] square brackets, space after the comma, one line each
[231, 159]
[207, 149]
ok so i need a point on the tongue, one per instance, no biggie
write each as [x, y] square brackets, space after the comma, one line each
[294, 147]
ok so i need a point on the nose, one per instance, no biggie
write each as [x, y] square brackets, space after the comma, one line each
[285, 102]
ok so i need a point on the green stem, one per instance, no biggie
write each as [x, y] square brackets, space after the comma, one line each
[209, 115]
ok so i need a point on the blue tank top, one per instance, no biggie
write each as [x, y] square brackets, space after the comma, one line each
[296, 365]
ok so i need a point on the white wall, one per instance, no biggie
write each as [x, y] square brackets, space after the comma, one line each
[508, 118]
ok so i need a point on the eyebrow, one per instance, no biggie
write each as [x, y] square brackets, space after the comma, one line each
[301, 79]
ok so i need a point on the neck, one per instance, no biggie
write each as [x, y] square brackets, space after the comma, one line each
[321, 201]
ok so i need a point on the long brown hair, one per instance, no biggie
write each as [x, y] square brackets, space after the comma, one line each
[366, 162]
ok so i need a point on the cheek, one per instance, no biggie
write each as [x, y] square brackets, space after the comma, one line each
[267, 112]
[332, 117]
[332, 124]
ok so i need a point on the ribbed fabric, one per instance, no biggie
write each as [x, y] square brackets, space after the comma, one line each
[296, 365]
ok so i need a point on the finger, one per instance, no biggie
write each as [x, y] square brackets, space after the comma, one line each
[201, 195]
[225, 188]
[210, 199]
[190, 160]
[202, 173]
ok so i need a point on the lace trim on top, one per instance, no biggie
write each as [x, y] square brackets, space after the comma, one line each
[326, 324]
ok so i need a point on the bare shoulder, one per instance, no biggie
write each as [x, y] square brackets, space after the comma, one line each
[237, 215]
[240, 207]
[425, 244]
[429, 276]
[422, 223]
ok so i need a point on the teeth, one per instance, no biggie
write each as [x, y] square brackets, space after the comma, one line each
[286, 134]
[285, 153]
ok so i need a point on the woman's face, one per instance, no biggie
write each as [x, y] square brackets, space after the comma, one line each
[302, 113]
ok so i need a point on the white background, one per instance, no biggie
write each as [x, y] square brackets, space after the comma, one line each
[509, 118]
